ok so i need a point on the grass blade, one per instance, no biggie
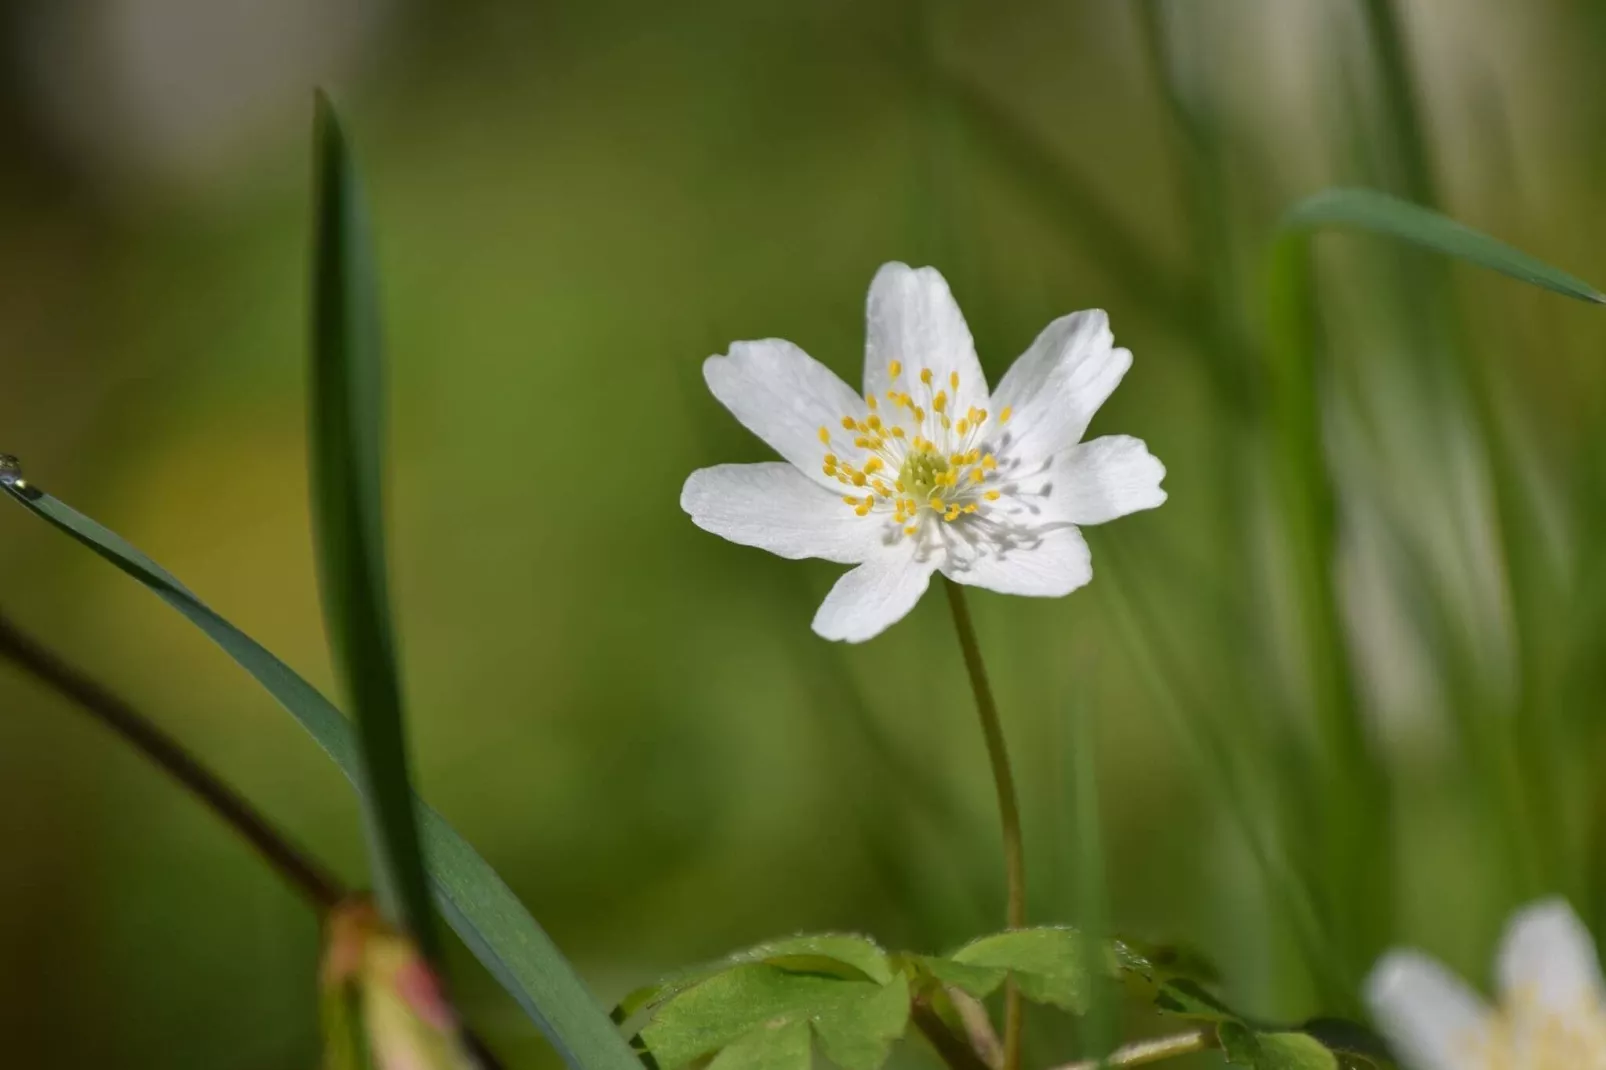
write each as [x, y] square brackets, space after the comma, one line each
[1379, 213]
[345, 445]
[472, 898]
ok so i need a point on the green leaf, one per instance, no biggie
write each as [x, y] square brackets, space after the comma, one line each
[780, 1045]
[1273, 1051]
[472, 898]
[978, 981]
[826, 953]
[1379, 213]
[1050, 965]
[346, 444]
[855, 1021]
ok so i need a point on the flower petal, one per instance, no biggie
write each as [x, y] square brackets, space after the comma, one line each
[874, 596]
[911, 317]
[1548, 963]
[1057, 385]
[784, 396]
[1044, 562]
[777, 508]
[1433, 1020]
[1097, 481]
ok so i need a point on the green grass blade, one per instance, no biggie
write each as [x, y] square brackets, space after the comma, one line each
[345, 446]
[473, 899]
[1379, 213]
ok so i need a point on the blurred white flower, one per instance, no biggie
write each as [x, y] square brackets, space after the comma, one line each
[1552, 1012]
[926, 471]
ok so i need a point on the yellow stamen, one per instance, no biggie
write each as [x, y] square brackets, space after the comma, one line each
[977, 475]
[989, 462]
[992, 495]
[925, 376]
[940, 402]
[896, 368]
[1004, 416]
[825, 434]
[849, 500]
[953, 380]
[847, 423]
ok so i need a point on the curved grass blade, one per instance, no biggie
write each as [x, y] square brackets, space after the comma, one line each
[1379, 213]
[473, 899]
[346, 441]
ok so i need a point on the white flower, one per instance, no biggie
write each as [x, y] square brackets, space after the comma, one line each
[925, 471]
[1552, 1012]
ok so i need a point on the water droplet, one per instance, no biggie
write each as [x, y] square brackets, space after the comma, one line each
[10, 470]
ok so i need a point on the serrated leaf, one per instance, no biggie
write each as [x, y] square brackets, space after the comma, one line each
[854, 1020]
[1273, 1051]
[781, 1045]
[1050, 965]
[1379, 213]
[825, 953]
[978, 981]
[472, 898]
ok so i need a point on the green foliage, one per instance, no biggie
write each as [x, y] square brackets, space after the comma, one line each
[1049, 965]
[346, 446]
[1379, 213]
[1273, 1051]
[760, 1007]
[472, 898]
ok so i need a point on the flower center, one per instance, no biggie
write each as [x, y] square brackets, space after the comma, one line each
[1523, 1037]
[913, 457]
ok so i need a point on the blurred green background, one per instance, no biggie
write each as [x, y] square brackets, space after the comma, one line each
[575, 203]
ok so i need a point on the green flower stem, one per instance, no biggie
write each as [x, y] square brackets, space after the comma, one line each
[1142, 1052]
[1008, 805]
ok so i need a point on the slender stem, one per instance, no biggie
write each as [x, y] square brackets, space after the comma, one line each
[949, 1045]
[1148, 1051]
[297, 869]
[1008, 806]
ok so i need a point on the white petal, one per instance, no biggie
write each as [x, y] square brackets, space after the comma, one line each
[1431, 1018]
[1100, 480]
[911, 317]
[874, 596]
[1059, 383]
[1548, 963]
[775, 507]
[784, 396]
[1044, 562]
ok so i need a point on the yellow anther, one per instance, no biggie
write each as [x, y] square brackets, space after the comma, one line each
[981, 417]
[952, 514]
[919, 414]
[869, 499]
[971, 508]
[973, 456]
[874, 464]
[956, 458]
[874, 421]
[896, 368]
[977, 475]
[829, 468]
[899, 484]
[953, 380]
[935, 502]
[882, 489]
[848, 499]
[863, 510]
[897, 432]
[869, 399]
[940, 402]
[910, 530]
[925, 376]
[945, 424]
[863, 442]
[1004, 416]
[859, 480]
[989, 462]
[992, 495]
[963, 427]
[847, 423]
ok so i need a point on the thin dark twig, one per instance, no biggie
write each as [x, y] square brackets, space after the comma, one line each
[953, 1049]
[300, 871]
